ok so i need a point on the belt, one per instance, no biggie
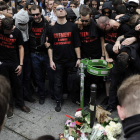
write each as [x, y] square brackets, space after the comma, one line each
[40, 53]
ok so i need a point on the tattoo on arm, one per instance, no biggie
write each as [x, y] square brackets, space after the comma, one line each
[120, 38]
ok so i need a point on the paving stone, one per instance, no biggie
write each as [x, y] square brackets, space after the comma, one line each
[24, 127]
[54, 121]
[33, 116]
[46, 107]
[6, 134]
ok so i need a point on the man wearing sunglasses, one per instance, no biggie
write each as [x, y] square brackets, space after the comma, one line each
[64, 52]
[90, 45]
[38, 27]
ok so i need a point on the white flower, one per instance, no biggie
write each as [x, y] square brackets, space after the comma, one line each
[78, 114]
[113, 129]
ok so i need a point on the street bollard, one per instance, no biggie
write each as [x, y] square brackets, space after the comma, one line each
[92, 107]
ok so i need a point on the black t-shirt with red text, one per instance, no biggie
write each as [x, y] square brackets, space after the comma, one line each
[90, 46]
[37, 29]
[64, 39]
[111, 36]
[9, 44]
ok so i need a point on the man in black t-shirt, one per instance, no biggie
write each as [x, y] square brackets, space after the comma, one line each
[38, 27]
[10, 65]
[64, 52]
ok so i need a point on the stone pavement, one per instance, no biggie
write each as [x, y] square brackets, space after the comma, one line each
[41, 121]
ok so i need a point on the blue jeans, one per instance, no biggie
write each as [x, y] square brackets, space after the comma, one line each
[40, 62]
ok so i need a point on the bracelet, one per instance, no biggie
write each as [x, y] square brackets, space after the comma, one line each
[79, 58]
[103, 56]
[21, 65]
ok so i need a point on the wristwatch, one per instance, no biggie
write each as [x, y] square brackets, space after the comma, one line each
[118, 20]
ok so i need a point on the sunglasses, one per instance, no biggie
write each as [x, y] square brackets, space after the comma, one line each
[106, 12]
[21, 24]
[37, 14]
[84, 20]
[60, 8]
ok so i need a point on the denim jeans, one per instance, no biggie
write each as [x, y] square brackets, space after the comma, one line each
[40, 62]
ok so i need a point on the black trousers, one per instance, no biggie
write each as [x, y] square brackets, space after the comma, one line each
[116, 80]
[8, 70]
[58, 78]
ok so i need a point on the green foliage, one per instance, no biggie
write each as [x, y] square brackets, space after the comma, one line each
[74, 134]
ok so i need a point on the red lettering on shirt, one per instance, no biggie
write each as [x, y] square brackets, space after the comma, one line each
[61, 35]
[111, 37]
[86, 38]
[37, 32]
[62, 38]
[7, 42]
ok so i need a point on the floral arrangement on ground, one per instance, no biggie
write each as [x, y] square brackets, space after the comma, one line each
[78, 128]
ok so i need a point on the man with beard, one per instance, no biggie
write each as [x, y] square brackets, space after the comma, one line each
[10, 65]
[64, 52]
[91, 46]
[38, 27]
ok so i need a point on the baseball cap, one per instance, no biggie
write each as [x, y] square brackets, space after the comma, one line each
[135, 1]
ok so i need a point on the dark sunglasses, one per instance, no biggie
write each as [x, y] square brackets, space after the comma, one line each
[21, 24]
[37, 14]
[60, 8]
[84, 20]
[106, 12]
[134, 6]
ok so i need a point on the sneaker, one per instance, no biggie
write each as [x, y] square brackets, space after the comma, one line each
[30, 99]
[104, 102]
[41, 101]
[58, 106]
[10, 113]
[25, 109]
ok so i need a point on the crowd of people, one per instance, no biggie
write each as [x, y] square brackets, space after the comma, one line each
[52, 37]
[47, 36]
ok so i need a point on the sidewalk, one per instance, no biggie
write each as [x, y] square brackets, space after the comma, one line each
[41, 121]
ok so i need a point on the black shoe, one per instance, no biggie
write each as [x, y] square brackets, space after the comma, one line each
[110, 109]
[58, 106]
[104, 102]
[25, 109]
[41, 101]
[30, 99]
[10, 113]
[52, 97]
